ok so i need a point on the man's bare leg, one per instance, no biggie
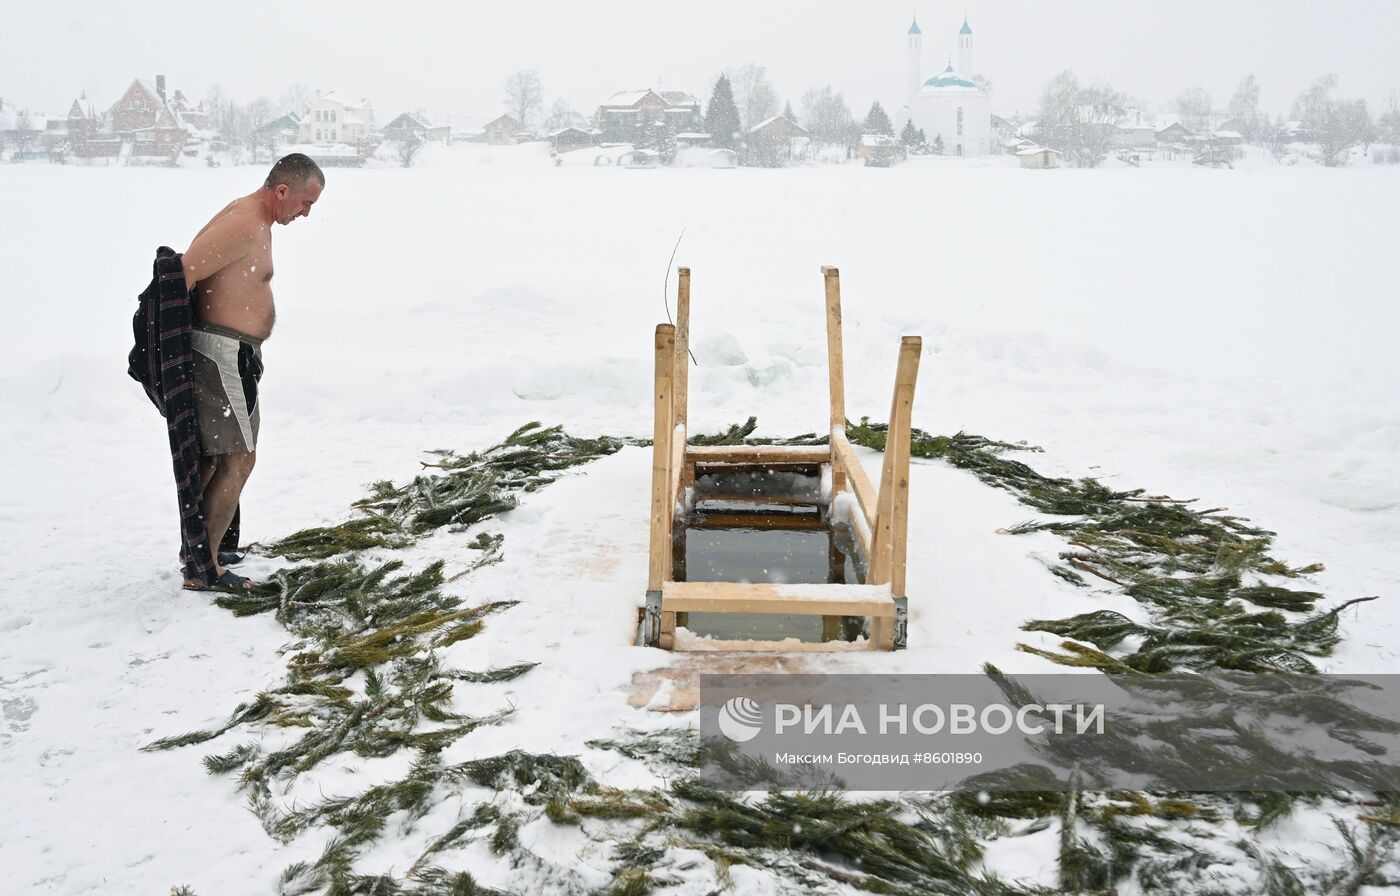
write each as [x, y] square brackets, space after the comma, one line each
[208, 463]
[221, 493]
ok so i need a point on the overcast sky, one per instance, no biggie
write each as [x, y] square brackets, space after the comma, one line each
[452, 59]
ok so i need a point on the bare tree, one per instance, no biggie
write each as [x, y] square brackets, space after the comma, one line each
[524, 95]
[216, 104]
[296, 99]
[23, 135]
[1345, 124]
[260, 111]
[1244, 107]
[1336, 125]
[408, 146]
[561, 115]
[1194, 107]
[1388, 122]
[1079, 121]
[826, 116]
[1272, 135]
[754, 94]
[1310, 105]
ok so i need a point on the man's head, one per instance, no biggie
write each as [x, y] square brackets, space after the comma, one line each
[295, 183]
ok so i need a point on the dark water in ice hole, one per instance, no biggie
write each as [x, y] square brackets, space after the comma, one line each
[765, 555]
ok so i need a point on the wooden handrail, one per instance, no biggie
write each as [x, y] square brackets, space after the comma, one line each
[835, 363]
[662, 500]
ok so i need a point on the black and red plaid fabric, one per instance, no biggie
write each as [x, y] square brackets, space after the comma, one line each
[162, 361]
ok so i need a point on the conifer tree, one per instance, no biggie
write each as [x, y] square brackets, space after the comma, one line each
[910, 135]
[788, 113]
[722, 116]
[877, 121]
[938, 144]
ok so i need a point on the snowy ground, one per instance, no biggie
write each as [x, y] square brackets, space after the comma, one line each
[1227, 335]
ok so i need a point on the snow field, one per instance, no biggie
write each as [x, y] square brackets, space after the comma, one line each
[1213, 334]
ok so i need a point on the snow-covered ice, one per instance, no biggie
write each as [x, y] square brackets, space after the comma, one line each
[1227, 335]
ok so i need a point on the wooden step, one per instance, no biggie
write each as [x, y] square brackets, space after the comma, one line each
[782, 522]
[750, 454]
[795, 600]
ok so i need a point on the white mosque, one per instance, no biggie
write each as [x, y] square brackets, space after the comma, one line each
[949, 104]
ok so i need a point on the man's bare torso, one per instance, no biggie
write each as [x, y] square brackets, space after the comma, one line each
[239, 296]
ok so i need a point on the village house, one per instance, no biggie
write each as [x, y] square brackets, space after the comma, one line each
[774, 142]
[627, 116]
[1039, 157]
[569, 138]
[330, 119]
[416, 124]
[1134, 136]
[880, 150]
[279, 131]
[1176, 132]
[25, 136]
[502, 131]
[147, 125]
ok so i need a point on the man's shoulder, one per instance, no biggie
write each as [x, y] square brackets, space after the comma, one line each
[241, 217]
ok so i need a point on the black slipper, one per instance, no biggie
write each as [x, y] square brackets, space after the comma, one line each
[227, 581]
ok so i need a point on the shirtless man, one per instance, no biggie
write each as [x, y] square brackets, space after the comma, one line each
[228, 268]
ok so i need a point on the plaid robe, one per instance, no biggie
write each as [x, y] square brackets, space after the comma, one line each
[162, 361]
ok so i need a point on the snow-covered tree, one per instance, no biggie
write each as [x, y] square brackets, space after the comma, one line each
[1345, 124]
[1336, 125]
[1388, 122]
[909, 136]
[1079, 121]
[408, 146]
[877, 121]
[1244, 107]
[296, 99]
[938, 144]
[1272, 135]
[524, 96]
[1194, 107]
[753, 94]
[561, 115]
[659, 136]
[722, 116]
[788, 113]
[23, 134]
[826, 116]
[1308, 107]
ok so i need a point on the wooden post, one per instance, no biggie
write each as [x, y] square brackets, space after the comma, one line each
[882, 537]
[662, 506]
[910, 348]
[682, 374]
[836, 369]
[835, 575]
[890, 548]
